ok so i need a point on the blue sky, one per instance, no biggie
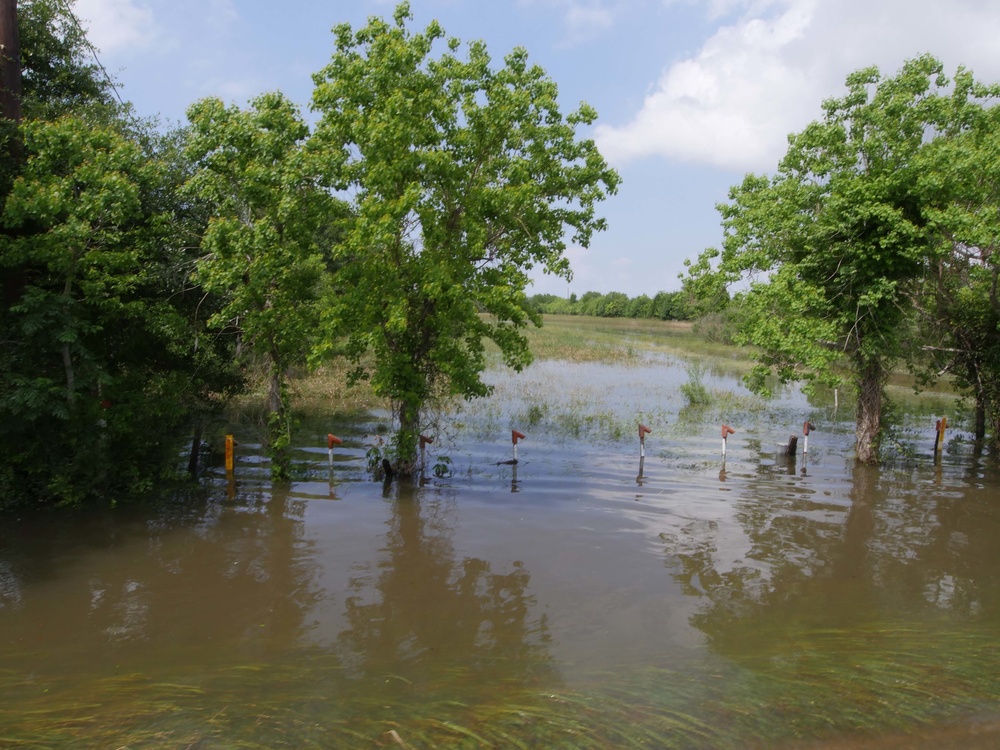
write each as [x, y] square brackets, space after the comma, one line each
[692, 94]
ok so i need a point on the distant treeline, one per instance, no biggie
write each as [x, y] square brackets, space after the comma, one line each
[664, 306]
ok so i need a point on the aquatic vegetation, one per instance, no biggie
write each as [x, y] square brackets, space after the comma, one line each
[694, 389]
[810, 686]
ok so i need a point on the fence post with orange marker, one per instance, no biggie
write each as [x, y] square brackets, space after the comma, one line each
[643, 431]
[230, 460]
[331, 440]
[514, 437]
[726, 432]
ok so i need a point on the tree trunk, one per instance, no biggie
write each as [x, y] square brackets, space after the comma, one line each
[195, 450]
[407, 437]
[274, 401]
[67, 356]
[67, 359]
[868, 427]
[980, 416]
[278, 436]
[975, 378]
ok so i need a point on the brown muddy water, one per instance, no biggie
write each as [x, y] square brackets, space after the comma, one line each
[565, 602]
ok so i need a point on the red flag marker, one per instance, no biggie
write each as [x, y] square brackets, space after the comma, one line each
[726, 432]
[331, 440]
[514, 437]
[643, 431]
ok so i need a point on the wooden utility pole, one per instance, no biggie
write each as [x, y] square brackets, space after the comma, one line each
[10, 62]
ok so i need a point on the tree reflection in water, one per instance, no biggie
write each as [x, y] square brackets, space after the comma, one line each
[201, 623]
[878, 600]
[427, 612]
[900, 550]
[188, 583]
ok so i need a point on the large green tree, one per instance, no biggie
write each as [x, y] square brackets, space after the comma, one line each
[834, 244]
[260, 252]
[464, 176]
[52, 75]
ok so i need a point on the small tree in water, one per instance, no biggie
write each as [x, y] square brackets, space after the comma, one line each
[260, 246]
[463, 178]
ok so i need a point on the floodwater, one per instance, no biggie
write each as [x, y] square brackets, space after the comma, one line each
[577, 599]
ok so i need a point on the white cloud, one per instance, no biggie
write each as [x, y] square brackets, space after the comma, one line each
[583, 18]
[765, 73]
[114, 25]
[586, 20]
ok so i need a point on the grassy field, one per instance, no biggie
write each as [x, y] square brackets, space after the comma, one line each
[577, 338]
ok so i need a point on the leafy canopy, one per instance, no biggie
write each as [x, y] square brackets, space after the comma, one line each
[831, 248]
[463, 178]
[260, 252]
[93, 345]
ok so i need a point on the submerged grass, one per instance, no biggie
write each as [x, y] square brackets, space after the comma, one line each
[812, 686]
[620, 342]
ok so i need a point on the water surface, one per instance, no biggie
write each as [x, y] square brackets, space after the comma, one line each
[567, 601]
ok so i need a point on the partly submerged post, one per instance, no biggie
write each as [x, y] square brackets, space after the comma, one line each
[643, 431]
[331, 440]
[941, 426]
[424, 440]
[791, 447]
[726, 432]
[230, 461]
[514, 437]
[807, 427]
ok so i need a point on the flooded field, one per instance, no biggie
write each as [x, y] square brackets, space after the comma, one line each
[579, 599]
